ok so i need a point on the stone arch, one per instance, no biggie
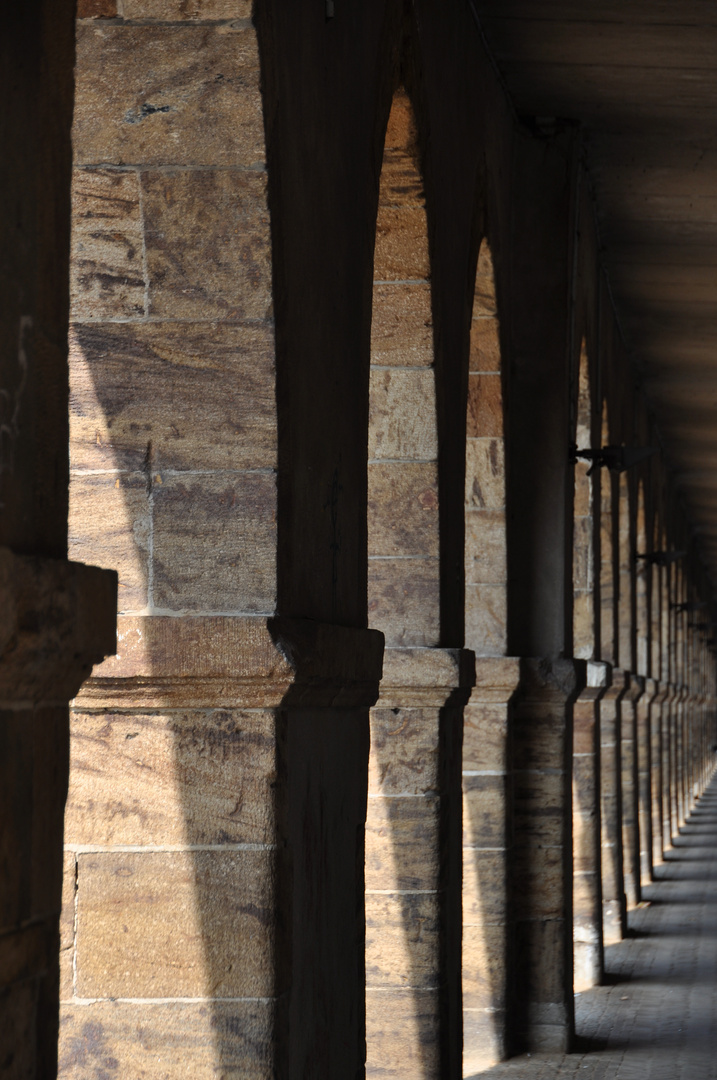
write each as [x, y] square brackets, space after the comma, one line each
[403, 917]
[485, 546]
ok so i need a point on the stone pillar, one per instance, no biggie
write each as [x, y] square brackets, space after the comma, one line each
[487, 836]
[657, 775]
[629, 793]
[668, 756]
[647, 764]
[214, 837]
[587, 884]
[541, 863]
[58, 619]
[413, 865]
[613, 890]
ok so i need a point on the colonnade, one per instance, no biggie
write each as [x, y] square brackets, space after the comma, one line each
[414, 684]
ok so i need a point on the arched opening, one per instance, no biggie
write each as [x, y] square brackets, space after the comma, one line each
[587, 930]
[403, 898]
[485, 756]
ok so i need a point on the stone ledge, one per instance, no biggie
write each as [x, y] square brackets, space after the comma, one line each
[57, 620]
[241, 661]
[426, 676]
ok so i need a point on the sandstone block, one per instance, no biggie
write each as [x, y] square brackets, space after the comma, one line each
[485, 551]
[539, 740]
[484, 967]
[403, 509]
[106, 263]
[404, 751]
[485, 406]
[486, 619]
[484, 809]
[485, 344]
[484, 302]
[485, 731]
[540, 884]
[402, 414]
[402, 843]
[181, 95]
[216, 1040]
[538, 804]
[401, 244]
[182, 777]
[402, 940]
[175, 924]
[215, 543]
[403, 600]
[208, 244]
[196, 378]
[67, 926]
[485, 474]
[402, 325]
[109, 525]
[582, 553]
[186, 10]
[402, 1029]
[485, 887]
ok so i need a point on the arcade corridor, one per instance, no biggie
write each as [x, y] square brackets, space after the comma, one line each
[656, 1017]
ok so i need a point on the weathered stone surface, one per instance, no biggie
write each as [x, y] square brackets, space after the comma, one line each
[402, 415]
[538, 801]
[486, 619]
[485, 474]
[67, 926]
[215, 543]
[401, 244]
[539, 740]
[403, 509]
[221, 1040]
[485, 345]
[404, 1034]
[539, 884]
[167, 95]
[485, 885]
[485, 732]
[582, 553]
[402, 940]
[485, 552]
[208, 246]
[484, 820]
[485, 406]
[96, 9]
[402, 843]
[484, 297]
[402, 325]
[404, 751]
[175, 924]
[109, 525]
[403, 600]
[205, 399]
[182, 777]
[484, 967]
[107, 259]
[186, 10]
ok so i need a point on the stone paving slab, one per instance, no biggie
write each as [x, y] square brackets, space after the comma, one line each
[657, 1017]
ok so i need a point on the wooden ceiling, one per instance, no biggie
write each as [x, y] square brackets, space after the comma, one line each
[641, 77]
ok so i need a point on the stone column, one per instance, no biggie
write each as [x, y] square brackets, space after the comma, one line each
[668, 758]
[541, 864]
[58, 619]
[629, 794]
[587, 884]
[657, 775]
[647, 764]
[487, 836]
[413, 865]
[613, 891]
[215, 847]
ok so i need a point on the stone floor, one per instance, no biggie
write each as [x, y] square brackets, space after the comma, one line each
[657, 1017]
